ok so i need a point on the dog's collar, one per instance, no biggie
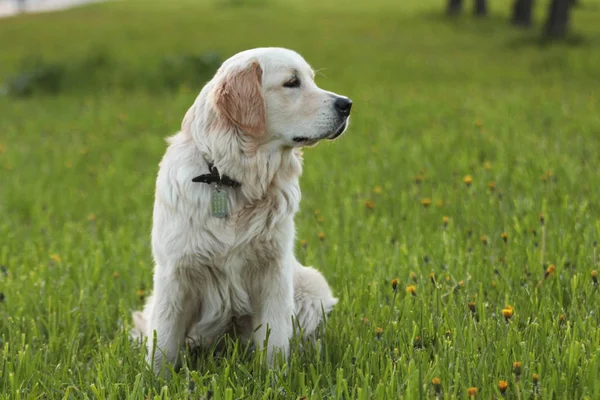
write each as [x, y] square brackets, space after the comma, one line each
[215, 177]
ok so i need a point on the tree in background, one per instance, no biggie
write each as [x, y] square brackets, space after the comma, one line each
[480, 8]
[454, 7]
[522, 12]
[557, 22]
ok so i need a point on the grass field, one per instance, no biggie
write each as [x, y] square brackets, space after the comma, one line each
[469, 173]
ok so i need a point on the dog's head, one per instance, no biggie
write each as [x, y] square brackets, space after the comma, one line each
[270, 94]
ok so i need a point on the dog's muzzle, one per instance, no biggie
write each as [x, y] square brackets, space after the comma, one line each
[342, 105]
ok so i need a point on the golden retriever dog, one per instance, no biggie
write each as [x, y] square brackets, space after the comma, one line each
[226, 194]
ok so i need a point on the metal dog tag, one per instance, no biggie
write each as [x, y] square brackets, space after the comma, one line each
[219, 203]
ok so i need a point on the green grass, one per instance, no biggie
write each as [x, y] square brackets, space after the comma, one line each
[434, 101]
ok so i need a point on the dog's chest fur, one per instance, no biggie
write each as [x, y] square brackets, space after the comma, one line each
[257, 230]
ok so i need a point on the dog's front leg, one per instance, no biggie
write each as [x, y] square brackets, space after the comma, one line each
[172, 309]
[274, 308]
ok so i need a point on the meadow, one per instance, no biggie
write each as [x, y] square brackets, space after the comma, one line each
[457, 220]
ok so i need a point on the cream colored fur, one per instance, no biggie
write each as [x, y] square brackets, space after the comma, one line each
[250, 121]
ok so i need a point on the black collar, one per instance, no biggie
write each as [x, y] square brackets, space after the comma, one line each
[215, 177]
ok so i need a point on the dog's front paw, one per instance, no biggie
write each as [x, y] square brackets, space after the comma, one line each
[276, 349]
[275, 340]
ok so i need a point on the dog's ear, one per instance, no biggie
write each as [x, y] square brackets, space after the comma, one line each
[239, 98]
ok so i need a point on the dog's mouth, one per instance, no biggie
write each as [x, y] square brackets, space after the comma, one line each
[307, 141]
[339, 130]
[302, 139]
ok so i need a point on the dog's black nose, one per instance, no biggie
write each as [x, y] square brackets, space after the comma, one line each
[343, 105]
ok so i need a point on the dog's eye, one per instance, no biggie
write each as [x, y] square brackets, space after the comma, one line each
[292, 83]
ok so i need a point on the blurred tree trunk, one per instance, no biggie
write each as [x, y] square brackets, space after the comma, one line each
[522, 10]
[454, 7]
[480, 8]
[557, 23]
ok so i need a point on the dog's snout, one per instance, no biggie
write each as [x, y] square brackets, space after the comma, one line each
[343, 105]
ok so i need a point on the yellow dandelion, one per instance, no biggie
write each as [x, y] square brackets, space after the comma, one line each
[369, 204]
[425, 202]
[595, 277]
[377, 189]
[92, 217]
[484, 240]
[418, 343]
[472, 391]
[321, 235]
[411, 289]
[304, 243]
[437, 385]
[115, 274]
[379, 332]
[561, 318]
[502, 386]
[535, 378]
[472, 306]
[448, 334]
[461, 283]
[507, 313]
[487, 165]
[492, 185]
[504, 236]
[468, 180]
[55, 257]
[445, 221]
[432, 277]
[517, 368]
[140, 293]
[549, 271]
[394, 284]
[413, 276]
